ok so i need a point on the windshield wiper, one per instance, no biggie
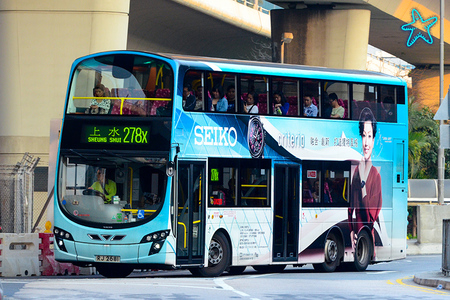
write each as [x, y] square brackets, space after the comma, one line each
[79, 154]
[104, 151]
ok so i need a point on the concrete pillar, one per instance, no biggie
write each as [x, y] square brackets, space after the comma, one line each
[322, 37]
[425, 80]
[39, 42]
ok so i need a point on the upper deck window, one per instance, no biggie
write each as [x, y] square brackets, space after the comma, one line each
[122, 85]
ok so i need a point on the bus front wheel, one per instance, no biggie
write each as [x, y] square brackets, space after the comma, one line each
[218, 257]
[114, 270]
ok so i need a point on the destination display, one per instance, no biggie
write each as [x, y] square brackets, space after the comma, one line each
[112, 134]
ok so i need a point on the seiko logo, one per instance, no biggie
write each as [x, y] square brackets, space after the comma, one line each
[215, 136]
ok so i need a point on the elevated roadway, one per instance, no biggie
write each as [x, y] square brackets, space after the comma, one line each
[229, 28]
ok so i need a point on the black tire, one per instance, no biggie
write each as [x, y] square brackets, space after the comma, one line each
[195, 272]
[363, 251]
[333, 249]
[114, 270]
[236, 270]
[269, 268]
[218, 257]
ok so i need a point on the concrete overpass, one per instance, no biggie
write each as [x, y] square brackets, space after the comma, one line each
[228, 28]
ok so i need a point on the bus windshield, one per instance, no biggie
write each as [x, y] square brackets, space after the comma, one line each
[121, 85]
[111, 190]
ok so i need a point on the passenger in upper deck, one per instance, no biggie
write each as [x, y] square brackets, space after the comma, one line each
[338, 111]
[281, 106]
[250, 105]
[231, 97]
[189, 100]
[218, 102]
[309, 109]
[99, 105]
[199, 98]
[388, 109]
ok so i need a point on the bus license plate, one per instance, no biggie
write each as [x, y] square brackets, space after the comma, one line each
[107, 258]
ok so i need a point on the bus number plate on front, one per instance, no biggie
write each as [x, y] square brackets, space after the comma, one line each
[107, 258]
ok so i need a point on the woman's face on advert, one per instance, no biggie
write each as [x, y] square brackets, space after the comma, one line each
[367, 140]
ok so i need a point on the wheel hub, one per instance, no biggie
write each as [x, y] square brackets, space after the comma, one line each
[331, 250]
[215, 252]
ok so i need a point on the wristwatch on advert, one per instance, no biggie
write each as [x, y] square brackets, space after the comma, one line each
[255, 137]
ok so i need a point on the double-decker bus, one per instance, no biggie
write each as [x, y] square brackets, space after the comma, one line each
[215, 165]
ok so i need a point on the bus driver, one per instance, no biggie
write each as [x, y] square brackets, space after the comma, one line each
[105, 186]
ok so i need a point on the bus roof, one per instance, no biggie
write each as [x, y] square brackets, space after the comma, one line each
[270, 68]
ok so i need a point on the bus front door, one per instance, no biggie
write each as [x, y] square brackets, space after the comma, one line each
[285, 224]
[190, 216]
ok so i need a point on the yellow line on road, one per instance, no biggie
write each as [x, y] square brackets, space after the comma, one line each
[420, 288]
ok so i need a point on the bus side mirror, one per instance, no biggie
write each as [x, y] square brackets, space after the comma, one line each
[170, 168]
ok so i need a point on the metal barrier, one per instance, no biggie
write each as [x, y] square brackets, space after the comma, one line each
[446, 247]
[424, 191]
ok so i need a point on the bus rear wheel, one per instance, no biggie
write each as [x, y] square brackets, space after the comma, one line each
[363, 251]
[332, 255]
[218, 257]
[114, 270]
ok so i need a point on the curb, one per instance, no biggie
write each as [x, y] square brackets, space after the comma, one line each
[433, 279]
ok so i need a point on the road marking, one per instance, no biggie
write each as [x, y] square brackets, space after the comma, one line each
[220, 282]
[379, 272]
[420, 288]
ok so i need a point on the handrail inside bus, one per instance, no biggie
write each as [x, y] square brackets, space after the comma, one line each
[131, 186]
[122, 99]
[185, 230]
[135, 210]
[184, 244]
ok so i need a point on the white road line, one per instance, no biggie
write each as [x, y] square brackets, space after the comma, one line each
[380, 272]
[220, 282]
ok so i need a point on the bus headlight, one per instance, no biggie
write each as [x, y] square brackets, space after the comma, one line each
[155, 236]
[157, 239]
[60, 236]
[155, 247]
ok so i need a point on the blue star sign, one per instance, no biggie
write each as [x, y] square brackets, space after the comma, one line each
[416, 26]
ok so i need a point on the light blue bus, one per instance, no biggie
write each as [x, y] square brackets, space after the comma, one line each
[215, 165]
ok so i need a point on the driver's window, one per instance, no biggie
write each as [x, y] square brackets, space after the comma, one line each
[103, 184]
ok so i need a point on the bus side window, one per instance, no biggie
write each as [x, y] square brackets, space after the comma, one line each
[311, 195]
[387, 111]
[291, 104]
[311, 91]
[193, 80]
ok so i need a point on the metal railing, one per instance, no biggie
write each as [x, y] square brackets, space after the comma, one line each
[16, 195]
[424, 191]
[446, 247]
[254, 4]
